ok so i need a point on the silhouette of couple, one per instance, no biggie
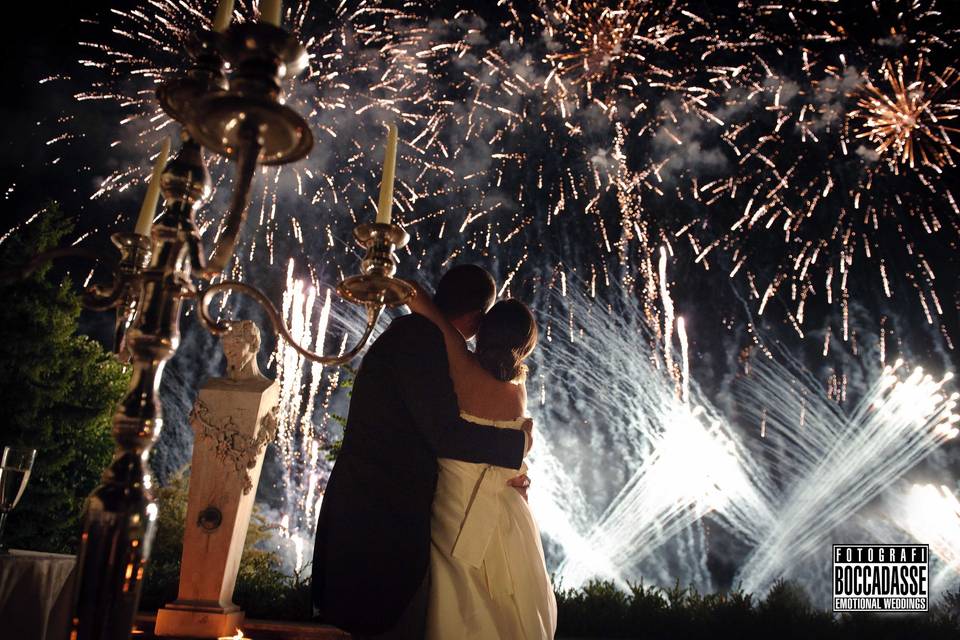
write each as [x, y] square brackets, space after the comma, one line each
[424, 530]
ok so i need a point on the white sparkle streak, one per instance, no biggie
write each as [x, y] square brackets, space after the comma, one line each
[667, 312]
[685, 360]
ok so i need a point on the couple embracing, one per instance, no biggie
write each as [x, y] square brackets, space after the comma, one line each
[424, 530]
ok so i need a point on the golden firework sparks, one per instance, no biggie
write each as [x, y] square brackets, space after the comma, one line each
[910, 115]
[606, 42]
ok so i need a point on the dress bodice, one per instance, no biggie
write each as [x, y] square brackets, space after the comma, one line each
[515, 423]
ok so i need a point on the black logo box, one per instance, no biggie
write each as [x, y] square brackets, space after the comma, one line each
[892, 553]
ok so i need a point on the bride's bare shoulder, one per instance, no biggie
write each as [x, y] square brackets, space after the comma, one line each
[488, 397]
[517, 392]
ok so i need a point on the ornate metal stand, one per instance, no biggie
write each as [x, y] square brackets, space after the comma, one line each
[244, 119]
[118, 526]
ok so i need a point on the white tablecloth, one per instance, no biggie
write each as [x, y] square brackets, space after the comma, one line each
[35, 594]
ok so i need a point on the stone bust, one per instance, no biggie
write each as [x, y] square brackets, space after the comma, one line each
[241, 343]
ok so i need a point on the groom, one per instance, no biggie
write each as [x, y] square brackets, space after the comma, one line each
[372, 551]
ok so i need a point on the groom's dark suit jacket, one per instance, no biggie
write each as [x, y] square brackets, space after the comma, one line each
[373, 536]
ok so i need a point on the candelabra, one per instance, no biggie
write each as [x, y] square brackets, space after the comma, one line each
[239, 114]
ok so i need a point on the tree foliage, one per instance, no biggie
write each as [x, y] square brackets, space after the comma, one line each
[59, 388]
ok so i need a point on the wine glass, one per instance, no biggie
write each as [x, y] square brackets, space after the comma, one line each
[15, 469]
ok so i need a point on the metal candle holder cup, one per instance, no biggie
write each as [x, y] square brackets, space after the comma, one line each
[179, 96]
[376, 284]
[247, 121]
[135, 252]
[251, 110]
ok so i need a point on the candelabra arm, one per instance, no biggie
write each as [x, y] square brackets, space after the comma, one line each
[124, 294]
[37, 261]
[217, 328]
[252, 143]
[134, 254]
[103, 298]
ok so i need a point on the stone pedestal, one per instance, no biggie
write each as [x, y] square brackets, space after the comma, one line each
[233, 420]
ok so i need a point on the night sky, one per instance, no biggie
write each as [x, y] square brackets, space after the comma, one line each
[33, 112]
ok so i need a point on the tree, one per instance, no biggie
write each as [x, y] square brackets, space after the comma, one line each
[60, 390]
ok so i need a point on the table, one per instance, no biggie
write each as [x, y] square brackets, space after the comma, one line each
[35, 594]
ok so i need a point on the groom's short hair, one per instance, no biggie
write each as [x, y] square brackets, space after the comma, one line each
[465, 288]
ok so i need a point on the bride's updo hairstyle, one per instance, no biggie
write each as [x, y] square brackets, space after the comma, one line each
[507, 335]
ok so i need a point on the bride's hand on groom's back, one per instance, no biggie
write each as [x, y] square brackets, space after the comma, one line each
[419, 302]
[520, 483]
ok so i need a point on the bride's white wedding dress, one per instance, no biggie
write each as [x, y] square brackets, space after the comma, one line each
[488, 578]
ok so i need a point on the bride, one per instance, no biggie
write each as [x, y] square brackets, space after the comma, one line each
[488, 576]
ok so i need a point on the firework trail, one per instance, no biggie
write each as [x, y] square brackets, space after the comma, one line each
[807, 468]
[645, 500]
[308, 391]
[298, 443]
[663, 498]
[895, 425]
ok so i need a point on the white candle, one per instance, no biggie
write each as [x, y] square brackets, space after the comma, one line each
[223, 16]
[270, 11]
[149, 207]
[386, 185]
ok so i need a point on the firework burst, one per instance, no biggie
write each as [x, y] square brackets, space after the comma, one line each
[569, 142]
[839, 167]
[910, 120]
[599, 47]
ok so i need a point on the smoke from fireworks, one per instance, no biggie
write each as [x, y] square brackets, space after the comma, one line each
[558, 130]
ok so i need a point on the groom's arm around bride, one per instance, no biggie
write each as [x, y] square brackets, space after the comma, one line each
[371, 554]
